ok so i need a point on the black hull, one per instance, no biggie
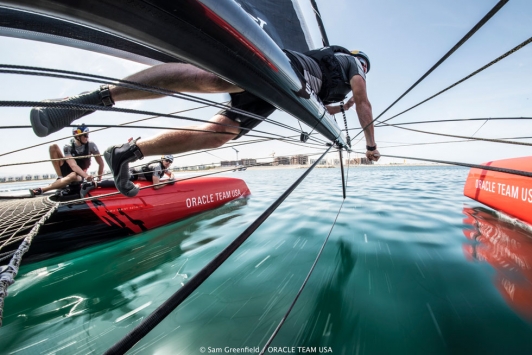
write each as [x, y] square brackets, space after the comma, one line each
[216, 35]
[71, 228]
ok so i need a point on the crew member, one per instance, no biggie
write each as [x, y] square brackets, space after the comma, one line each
[78, 152]
[332, 72]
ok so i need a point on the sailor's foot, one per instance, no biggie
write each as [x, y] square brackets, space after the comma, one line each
[35, 192]
[118, 159]
[47, 120]
[85, 188]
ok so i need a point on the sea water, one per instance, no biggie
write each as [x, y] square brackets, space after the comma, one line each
[411, 266]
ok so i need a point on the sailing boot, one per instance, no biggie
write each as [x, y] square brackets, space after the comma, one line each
[86, 187]
[47, 120]
[118, 159]
[35, 192]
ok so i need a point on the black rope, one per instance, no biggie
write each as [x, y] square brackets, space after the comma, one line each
[465, 137]
[450, 120]
[265, 347]
[511, 51]
[467, 165]
[285, 317]
[27, 70]
[136, 86]
[468, 35]
[180, 295]
[401, 145]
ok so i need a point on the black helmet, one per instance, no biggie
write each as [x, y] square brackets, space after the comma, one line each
[362, 55]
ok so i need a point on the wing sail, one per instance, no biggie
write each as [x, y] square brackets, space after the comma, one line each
[216, 35]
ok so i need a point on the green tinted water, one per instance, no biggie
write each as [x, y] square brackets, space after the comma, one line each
[402, 273]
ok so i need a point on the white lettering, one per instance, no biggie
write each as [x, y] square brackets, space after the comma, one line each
[515, 192]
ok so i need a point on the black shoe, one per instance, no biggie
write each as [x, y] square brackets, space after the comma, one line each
[118, 159]
[47, 120]
[85, 188]
[35, 192]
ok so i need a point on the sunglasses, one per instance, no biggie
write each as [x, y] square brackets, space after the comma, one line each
[85, 135]
[168, 161]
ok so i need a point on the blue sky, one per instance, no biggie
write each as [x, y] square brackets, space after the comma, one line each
[403, 40]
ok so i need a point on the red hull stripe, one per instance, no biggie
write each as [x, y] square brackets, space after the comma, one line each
[154, 208]
[226, 26]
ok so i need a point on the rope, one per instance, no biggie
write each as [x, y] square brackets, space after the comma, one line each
[451, 120]
[9, 272]
[135, 86]
[465, 137]
[481, 23]
[345, 122]
[467, 165]
[285, 317]
[180, 295]
[265, 347]
[511, 51]
[73, 202]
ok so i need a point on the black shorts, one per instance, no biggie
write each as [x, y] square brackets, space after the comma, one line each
[65, 169]
[250, 103]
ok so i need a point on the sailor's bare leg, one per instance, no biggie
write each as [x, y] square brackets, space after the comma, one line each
[175, 142]
[58, 184]
[55, 153]
[173, 76]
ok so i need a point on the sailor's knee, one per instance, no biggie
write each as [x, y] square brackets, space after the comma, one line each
[71, 177]
[54, 148]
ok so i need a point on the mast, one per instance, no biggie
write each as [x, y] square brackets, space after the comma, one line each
[324, 38]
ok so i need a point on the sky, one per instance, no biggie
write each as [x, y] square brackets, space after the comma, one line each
[402, 39]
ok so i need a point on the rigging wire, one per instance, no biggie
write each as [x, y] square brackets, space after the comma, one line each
[401, 145]
[285, 317]
[450, 120]
[467, 165]
[128, 341]
[130, 85]
[468, 35]
[511, 51]
[465, 137]
[166, 182]
[289, 141]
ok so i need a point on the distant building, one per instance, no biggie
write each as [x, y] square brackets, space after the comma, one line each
[19, 178]
[3, 179]
[248, 162]
[299, 159]
[359, 161]
[36, 177]
[281, 161]
[10, 179]
[29, 177]
[45, 176]
[226, 163]
[322, 162]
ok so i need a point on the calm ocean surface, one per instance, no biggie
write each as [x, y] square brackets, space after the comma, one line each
[411, 267]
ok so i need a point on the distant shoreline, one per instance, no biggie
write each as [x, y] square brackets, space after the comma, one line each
[276, 167]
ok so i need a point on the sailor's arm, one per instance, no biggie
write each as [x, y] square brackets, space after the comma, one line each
[156, 180]
[364, 113]
[99, 160]
[75, 168]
